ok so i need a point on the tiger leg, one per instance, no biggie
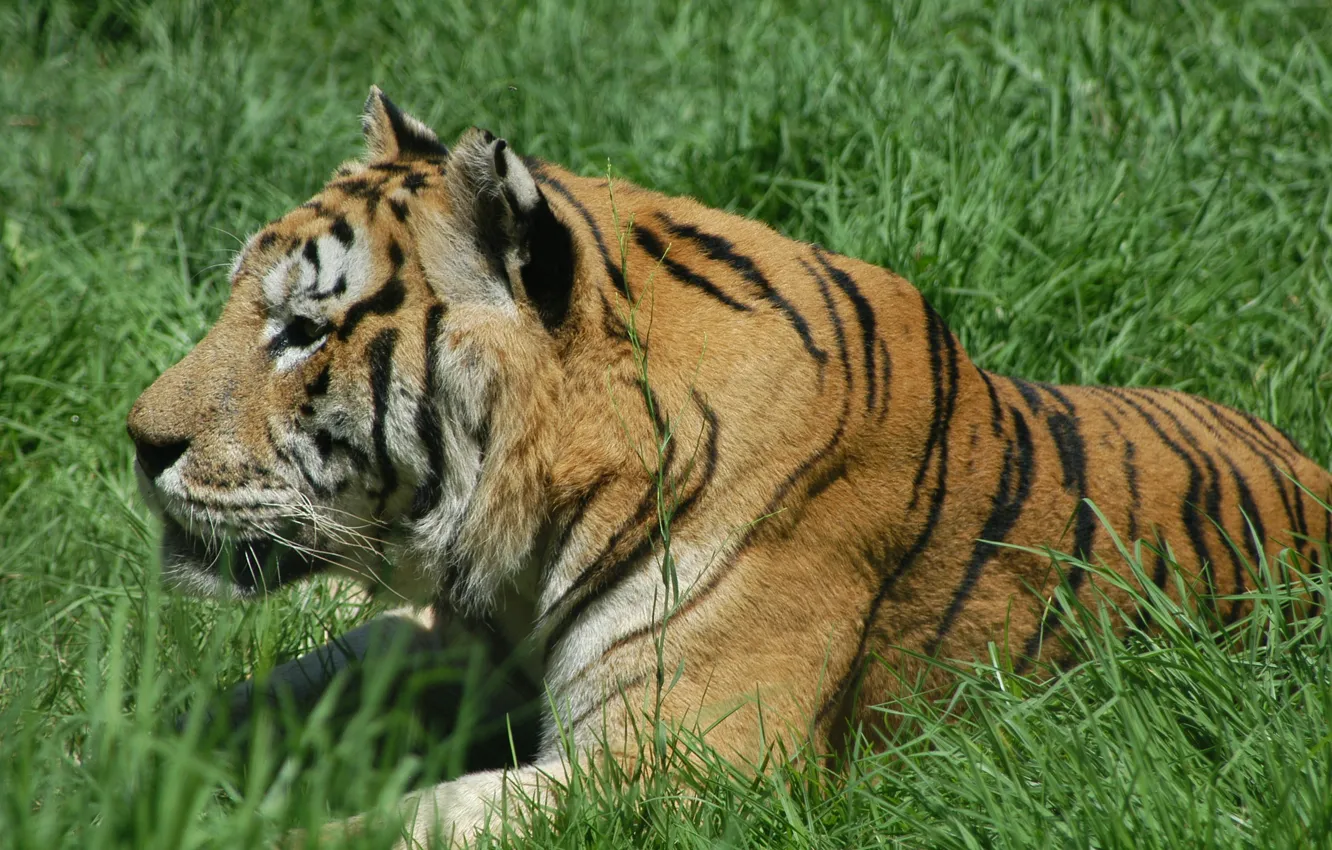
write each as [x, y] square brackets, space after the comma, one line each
[429, 663]
[453, 813]
[299, 684]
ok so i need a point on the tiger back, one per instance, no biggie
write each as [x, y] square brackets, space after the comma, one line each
[906, 495]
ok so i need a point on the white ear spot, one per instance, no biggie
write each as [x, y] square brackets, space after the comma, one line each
[516, 179]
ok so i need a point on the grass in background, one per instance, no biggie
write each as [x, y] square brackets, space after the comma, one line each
[1095, 192]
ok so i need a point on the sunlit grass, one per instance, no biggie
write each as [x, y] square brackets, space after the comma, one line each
[1108, 192]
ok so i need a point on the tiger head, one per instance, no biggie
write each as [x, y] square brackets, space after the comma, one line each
[386, 348]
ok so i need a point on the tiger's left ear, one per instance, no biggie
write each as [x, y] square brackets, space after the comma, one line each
[514, 225]
[391, 133]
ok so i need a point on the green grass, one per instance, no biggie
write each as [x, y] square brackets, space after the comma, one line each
[1100, 192]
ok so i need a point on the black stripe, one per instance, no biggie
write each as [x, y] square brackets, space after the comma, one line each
[1326, 544]
[1058, 395]
[415, 182]
[612, 270]
[428, 427]
[359, 459]
[649, 242]
[996, 409]
[321, 490]
[618, 568]
[1279, 481]
[575, 519]
[326, 444]
[824, 451]
[1072, 451]
[605, 569]
[1189, 504]
[380, 354]
[1159, 571]
[1301, 525]
[1251, 515]
[548, 273]
[311, 254]
[359, 187]
[839, 331]
[1261, 426]
[1193, 404]
[1131, 476]
[936, 332]
[811, 463]
[933, 342]
[314, 389]
[384, 302]
[342, 231]
[682, 510]
[319, 385]
[1212, 506]
[409, 138]
[685, 506]
[338, 288]
[1029, 394]
[722, 250]
[1130, 469]
[613, 326]
[1291, 441]
[826, 479]
[1135, 497]
[942, 425]
[1246, 437]
[1212, 499]
[710, 457]
[1247, 428]
[864, 314]
[1005, 509]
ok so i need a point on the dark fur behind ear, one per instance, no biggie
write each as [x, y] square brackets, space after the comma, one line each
[513, 223]
[391, 133]
[549, 270]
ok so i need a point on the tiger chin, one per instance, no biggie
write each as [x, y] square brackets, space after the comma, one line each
[469, 379]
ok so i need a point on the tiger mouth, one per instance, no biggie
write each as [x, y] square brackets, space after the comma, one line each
[230, 565]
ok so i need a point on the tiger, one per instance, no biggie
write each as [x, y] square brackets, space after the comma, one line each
[630, 432]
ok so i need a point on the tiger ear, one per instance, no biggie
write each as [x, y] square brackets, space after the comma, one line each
[391, 133]
[514, 225]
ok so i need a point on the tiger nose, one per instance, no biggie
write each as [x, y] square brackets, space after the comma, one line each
[155, 454]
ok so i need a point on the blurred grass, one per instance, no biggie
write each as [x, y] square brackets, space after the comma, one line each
[1118, 192]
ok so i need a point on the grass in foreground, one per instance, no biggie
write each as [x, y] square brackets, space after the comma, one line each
[1107, 192]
